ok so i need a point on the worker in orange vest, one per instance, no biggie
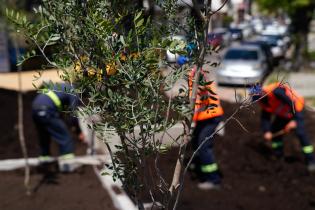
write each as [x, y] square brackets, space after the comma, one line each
[287, 106]
[207, 116]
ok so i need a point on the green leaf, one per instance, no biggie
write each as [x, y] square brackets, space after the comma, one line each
[17, 16]
[139, 23]
[55, 37]
[138, 15]
[122, 40]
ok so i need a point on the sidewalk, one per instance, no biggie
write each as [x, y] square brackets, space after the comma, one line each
[10, 80]
[303, 83]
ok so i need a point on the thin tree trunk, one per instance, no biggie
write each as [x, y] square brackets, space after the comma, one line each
[21, 126]
[300, 51]
[178, 181]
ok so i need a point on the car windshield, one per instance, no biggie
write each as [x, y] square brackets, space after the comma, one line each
[235, 30]
[241, 54]
[214, 36]
[262, 44]
[271, 39]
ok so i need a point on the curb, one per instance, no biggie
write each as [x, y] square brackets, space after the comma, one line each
[119, 197]
[12, 164]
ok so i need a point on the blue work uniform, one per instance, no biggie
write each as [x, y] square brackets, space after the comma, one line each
[279, 122]
[46, 110]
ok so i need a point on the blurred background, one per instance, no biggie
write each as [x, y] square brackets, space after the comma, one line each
[259, 40]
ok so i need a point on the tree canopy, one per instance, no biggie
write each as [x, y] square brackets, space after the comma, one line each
[114, 52]
[287, 5]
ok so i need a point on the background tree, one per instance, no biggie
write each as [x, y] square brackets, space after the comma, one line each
[301, 13]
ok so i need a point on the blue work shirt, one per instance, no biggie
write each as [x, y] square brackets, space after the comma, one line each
[68, 100]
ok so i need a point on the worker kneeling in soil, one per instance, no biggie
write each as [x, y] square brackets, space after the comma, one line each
[47, 108]
[287, 107]
[207, 116]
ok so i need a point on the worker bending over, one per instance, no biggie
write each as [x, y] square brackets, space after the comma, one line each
[283, 111]
[47, 109]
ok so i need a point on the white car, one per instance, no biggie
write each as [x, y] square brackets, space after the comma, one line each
[242, 65]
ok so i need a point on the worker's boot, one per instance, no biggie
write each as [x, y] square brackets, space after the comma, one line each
[311, 166]
[193, 168]
[43, 159]
[210, 181]
[67, 164]
[47, 164]
[207, 185]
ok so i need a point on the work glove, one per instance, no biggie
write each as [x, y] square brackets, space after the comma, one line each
[268, 136]
[268, 140]
[81, 137]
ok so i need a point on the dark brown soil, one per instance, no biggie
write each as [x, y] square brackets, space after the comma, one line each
[253, 179]
[80, 190]
[52, 190]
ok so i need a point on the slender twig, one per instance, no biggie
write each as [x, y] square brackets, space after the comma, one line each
[44, 54]
[113, 161]
[177, 172]
[242, 126]
[40, 30]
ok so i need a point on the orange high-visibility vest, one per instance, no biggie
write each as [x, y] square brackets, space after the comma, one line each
[276, 106]
[205, 107]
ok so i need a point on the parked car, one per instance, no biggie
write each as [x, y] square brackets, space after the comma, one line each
[276, 43]
[266, 50]
[215, 39]
[242, 65]
[258, 25]
[236, 33]
[219, 36]
[279, 30]
[247, 29]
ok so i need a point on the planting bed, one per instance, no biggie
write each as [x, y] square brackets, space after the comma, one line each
[51, 190]
[253, 180]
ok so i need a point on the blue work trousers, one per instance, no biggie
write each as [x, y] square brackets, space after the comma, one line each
[204, 129]
[300, 131]
[50, 126]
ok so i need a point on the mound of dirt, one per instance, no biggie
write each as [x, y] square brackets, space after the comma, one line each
[252, 177]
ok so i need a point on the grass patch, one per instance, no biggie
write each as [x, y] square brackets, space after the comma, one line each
[311, 55]
[276, 76]
[310, 101]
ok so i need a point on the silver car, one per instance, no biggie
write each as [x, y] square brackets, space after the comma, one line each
[242, 65]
